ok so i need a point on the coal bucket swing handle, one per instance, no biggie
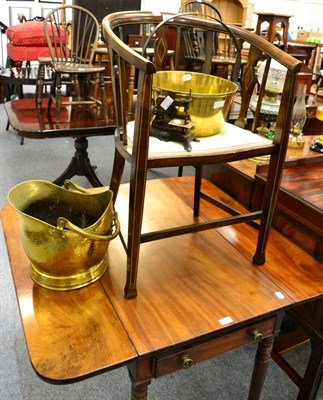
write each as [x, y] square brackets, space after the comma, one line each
[71, 185]
[65, 223]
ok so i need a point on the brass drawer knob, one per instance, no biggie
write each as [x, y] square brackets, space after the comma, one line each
[187, 362]
[256, 336]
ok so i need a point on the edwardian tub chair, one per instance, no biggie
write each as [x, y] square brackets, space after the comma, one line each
[133, 142]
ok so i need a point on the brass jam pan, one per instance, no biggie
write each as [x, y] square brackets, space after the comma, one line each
[211, 97]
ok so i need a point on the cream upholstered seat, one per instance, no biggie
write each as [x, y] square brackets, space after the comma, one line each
[133, 142]
[230, 138]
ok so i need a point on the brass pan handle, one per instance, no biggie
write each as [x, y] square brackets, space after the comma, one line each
[187, 362]
[65, 223]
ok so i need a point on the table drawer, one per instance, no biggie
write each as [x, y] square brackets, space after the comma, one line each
[188, 357]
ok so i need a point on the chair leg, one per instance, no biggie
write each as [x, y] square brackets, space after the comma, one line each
[269, 201]
[136, 207]
[180, 171]
[303, 322]
[103, 96]
[117, 172]
[314, 370]
[58, 99]
[40, 84]
[76, 91]
[96, 85]
[85, 92]
[197, 190]
[52, 92]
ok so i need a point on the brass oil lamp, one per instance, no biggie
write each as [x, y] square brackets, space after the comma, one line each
[296, 137]
[271, 101]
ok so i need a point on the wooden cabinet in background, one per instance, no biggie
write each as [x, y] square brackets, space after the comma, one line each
[232, 11]
[299, 210]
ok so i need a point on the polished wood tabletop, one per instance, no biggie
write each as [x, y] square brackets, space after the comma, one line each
[296, 272]
[187, 284]
[31, 122]
[249, 167]
[78, 122]
[68, 334]
[194, 290]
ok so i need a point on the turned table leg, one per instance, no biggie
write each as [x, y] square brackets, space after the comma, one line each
[140, 375]
[139, 391]
[263, 357]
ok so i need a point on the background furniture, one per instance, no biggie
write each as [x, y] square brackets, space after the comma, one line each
[226, 58]
[101, 8]
[138, 148]
[274, 21]
[76, 122]
[300, 202]
[232, 11]
[304, 323]
[298, 216]
[299, 210]
[205, 8]
[306, 52]
[72, 54]
[13, 84]
[26, 43]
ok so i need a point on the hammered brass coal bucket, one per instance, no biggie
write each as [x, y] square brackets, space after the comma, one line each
[65, 233]
[211, 98]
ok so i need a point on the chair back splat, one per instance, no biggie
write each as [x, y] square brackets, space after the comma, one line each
[72, 34]
[136, 143]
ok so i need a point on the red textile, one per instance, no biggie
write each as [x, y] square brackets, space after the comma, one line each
[30, 33]
[26, 53]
